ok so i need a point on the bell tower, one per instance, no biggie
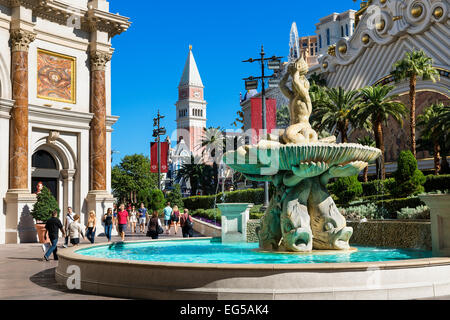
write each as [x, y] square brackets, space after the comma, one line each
[191, 106]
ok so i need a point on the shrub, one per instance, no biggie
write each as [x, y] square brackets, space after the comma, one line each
[44, 206]
[175, 197]
[347, 188]
[421, 212]
[378, 187]
[368, 211]
[157, 200]
[409, 179]
[435, 183]
[255, 196]
[394, 205]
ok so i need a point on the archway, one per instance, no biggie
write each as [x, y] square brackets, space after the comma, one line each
[46, 171]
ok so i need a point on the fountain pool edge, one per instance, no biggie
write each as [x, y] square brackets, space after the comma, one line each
[404, 279]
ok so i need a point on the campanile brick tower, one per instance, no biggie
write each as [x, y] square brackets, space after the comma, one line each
[191, 106]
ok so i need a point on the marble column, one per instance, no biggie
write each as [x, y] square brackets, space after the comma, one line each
[98, 199]
[98, 124]
[18, 160]
[19, 200]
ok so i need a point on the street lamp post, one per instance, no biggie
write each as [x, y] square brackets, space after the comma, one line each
[274, 63]
[157, 133]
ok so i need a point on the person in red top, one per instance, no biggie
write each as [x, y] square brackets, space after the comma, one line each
[187, 226]
[123, 220]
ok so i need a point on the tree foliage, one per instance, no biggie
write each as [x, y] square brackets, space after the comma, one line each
[44, 206]
[408, 178]
[133, 174]
[175, 197]
[156, 200]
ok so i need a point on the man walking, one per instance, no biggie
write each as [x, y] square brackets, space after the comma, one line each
[142, 217]
[53, 226]
[167, 217]
[67, 222]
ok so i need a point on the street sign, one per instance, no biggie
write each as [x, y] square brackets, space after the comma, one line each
[274, 64]
[251, 84]
[273, 83]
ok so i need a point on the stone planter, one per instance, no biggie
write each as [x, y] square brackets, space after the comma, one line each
[234, 221]
[439, 205]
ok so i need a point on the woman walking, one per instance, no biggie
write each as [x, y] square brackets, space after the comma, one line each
[75, 230]
[108, 221]
[187, 226]
[153, 225]
[133, 219]
[91, 227]
[175, 217]
[115, 216]
[123, 219]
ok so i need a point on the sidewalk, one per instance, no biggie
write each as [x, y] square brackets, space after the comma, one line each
[25, 276]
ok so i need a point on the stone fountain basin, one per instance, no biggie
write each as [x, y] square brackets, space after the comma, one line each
[252, 159]
[405, 279]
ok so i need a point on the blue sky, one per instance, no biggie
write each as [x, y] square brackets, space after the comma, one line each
[150, 56]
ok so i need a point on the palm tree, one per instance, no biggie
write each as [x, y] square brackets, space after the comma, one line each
[377, 107]
[434, 131]
[415, 64]
[336, 110]
[366, 141]
[283, 117]
[191, 171]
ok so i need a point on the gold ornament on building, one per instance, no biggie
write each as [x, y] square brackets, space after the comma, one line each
[343, 48]
[332, 50]
[396, 18]
[438, 12]
[325, 65]
[383, 1]
[381, 25]
[416, 10]
[365, 39]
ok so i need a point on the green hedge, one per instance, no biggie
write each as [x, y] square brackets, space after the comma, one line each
[394, 205]
[435, 183]
[255, 196]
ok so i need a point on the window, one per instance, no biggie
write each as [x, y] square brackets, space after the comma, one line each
[43, 160]
[328, 37]
[320, 41]
[346, 30]
[342, 31]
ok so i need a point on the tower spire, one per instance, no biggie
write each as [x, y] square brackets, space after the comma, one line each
[191, 75]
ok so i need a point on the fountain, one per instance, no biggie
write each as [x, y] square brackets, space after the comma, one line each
[303, 250]
[301, 215]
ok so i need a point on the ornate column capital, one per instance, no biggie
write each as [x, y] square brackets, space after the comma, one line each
[99, 59]
[21, 39]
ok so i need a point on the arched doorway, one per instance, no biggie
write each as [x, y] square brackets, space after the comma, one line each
[46, 171]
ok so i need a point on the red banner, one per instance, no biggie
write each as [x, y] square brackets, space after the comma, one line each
[256, 112]
[154, 157]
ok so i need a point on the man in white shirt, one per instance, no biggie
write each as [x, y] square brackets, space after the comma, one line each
[67, 222]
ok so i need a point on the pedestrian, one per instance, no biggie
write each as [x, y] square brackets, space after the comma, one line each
[67, 222]
[167, 214]
[142, 217]
[133, 219]
[122, 219]
[115, 216]
[53, 226]
[153, 225]
[175, 217]
[187, 226]
[91, 226]
[76, 229]
[108, 221]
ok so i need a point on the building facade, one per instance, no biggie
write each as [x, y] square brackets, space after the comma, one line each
[385, 32]
[55, 108]
[334, 27]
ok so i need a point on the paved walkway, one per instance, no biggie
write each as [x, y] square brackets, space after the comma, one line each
[26, 276]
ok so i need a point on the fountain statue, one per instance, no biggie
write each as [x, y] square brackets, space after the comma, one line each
[301, 215]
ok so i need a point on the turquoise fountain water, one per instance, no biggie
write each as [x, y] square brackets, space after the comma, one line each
[211, 251]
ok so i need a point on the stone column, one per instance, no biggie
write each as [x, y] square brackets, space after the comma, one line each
[99, 199]
[98, 124]
[18, 160]
[19, 201]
